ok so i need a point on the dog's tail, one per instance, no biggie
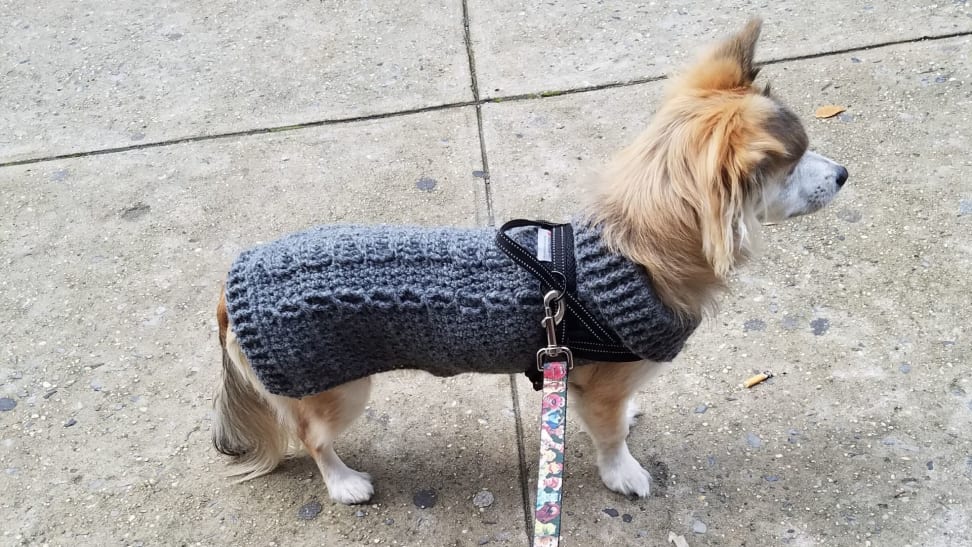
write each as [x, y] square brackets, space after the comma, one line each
[245, 425]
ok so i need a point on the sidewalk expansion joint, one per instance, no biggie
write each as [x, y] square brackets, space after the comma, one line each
[867, 47]
[474, 84]
[521, 451]
[238, 134]
[477, 101]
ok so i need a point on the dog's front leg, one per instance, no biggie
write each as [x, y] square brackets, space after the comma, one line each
[603, 395]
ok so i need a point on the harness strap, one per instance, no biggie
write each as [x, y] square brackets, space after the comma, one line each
[580, 330]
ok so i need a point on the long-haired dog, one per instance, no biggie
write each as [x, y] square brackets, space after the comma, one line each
[685, 201]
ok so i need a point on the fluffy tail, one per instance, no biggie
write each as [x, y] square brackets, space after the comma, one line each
[245, 426]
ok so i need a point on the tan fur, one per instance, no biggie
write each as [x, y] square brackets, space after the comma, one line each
[259, 429]
[246, 424]
[602, 391]
[681, 201]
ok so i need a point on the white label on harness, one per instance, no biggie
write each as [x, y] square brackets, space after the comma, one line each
[543, 244]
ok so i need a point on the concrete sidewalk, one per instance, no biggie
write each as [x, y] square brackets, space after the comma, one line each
[147, 145]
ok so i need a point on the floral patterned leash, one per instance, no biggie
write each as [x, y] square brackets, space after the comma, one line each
[555, 361]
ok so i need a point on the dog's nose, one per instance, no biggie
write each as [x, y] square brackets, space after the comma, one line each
[841, 176]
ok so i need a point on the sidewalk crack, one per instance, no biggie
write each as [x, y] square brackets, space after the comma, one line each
[521, 451]
[474, 84]
[477, 101]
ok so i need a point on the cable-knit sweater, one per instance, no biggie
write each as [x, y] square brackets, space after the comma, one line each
[332, 304]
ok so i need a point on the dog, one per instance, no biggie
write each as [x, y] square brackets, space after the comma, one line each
[684, 203]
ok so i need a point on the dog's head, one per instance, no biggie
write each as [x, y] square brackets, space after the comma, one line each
[720, 157]
[746, 150]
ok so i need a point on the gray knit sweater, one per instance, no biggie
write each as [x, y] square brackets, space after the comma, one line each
[322, 307]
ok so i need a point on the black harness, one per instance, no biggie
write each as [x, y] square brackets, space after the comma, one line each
[579, 330]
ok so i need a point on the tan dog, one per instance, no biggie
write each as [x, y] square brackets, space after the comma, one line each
[685, 201]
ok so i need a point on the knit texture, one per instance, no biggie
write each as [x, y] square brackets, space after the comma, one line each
[332, 304]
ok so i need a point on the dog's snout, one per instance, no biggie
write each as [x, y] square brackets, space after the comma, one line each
[841, 176]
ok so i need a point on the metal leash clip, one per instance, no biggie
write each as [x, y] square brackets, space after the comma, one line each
[551, 319]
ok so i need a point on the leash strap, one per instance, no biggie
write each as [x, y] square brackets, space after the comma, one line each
[553, 423]
[555, 361]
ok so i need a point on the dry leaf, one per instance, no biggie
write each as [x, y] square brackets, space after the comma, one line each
[829, 111]
[679, 541]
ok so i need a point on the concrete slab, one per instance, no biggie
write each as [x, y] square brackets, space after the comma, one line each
[543, 153]
[561, 45]
[861, 311]
[109, 269]
[78, 77]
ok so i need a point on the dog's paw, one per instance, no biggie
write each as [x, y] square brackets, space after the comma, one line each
[625, 475]
[350, 487]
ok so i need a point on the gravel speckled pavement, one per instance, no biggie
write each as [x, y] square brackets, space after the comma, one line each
[145, 145]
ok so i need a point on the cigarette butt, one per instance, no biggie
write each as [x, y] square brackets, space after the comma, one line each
[757, 379]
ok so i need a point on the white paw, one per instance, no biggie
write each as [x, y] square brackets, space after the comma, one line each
[623, 474]
[350, 487]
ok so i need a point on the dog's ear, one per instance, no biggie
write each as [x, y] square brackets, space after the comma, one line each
[741, 49]
[734, 147]
[721, 218]
[730, 64]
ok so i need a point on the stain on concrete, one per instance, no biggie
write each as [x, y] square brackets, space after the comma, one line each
[660, 477]
[309, 510]
[965, 207]
[426, 184]
[753, 440]
[483, 499]
[820, 326]
[425, 499]
[790, 322]
[849, 215]
[135, 211]
[754, 325]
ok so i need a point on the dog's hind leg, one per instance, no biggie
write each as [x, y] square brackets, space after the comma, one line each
[320, 419]
[602, 396]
